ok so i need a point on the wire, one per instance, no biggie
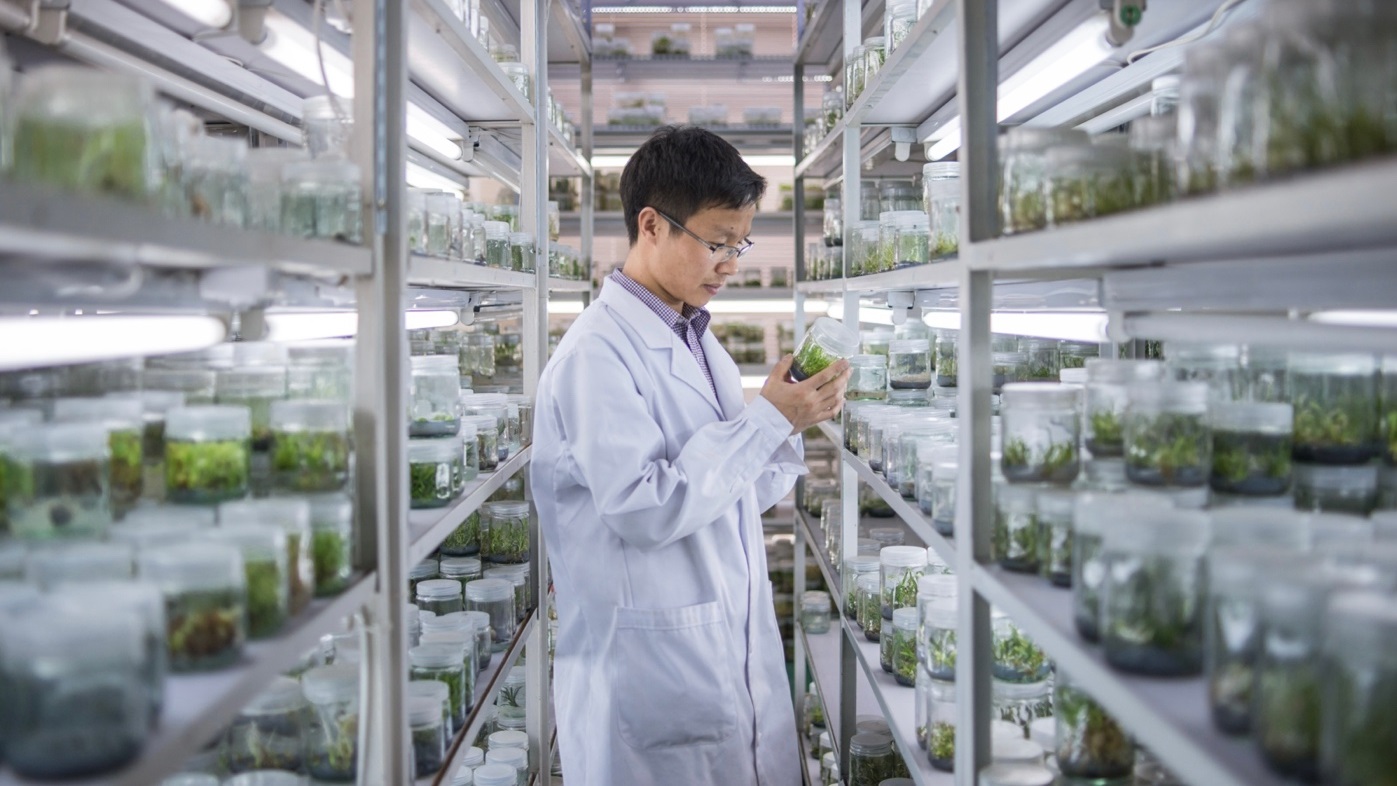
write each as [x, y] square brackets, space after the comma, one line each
[317, 12]
[1213, 23]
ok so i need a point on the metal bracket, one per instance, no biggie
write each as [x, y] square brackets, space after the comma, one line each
[469, 144]
[48, 21]
[903, 139]
[250, 16]
[239, 287]
[903, 304]
[1124, 15]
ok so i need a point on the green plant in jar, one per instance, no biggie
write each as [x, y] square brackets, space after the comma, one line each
[1107, 435]
[1333, 431]
[330, 553]
[465, 539]
[206, 471]
[506, 535]
[266, 598]
[430, 484]
[205, 628]
[58, 498]
[1014, 540]
[1168, 449]
[1287, 717]
[308, 461]
[1090, 744]
[126, 466]
[1251, 463]
[334, 758]
[941, 746]
[905, 658]
[941, 654]
[1016, 657]
[107, 159]
[903, 594]
[1389, 436]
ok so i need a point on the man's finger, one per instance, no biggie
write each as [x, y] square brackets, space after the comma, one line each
[782, 368]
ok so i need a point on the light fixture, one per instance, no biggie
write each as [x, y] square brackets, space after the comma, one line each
[215, 14]
[310, 325]
[419, 176]
[1085, 326]
[68, 340]
[1356, 318]
[1068, 58]
[294, 47]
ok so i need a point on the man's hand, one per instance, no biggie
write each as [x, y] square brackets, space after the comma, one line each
[815, 400]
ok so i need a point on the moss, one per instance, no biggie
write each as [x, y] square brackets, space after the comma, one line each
[1168, 449]
[811, 360]
[465, 539]
[1107, 437]
[941, 746]
[206, 472]
[330, 555]
[126, 466]
[310, 461]
[1340, 431]
[111, 159]
[266, 598]
[506, 541]
[1090, 744]
[1249, 463]
[905, 658]
[1017, 659]
[204, 628]
[430, 484]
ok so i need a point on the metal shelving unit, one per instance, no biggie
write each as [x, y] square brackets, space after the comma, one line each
[406, 60]
[1240, 266]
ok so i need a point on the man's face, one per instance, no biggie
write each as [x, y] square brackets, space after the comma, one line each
[686, 269]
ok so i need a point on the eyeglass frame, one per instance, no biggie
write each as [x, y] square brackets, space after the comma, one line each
[733, 252]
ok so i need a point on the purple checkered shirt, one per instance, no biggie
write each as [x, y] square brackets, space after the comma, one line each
[688, 326]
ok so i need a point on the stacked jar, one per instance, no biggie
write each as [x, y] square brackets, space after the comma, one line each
[901, 568]
[1041, 452]
[1336, 434]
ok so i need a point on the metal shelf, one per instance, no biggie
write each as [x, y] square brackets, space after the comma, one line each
[946, 273]
[568, 285]
[815, 538]
[910, 514]
[426, 271]
[428, 528]
[1169, 716]
[452, 65]
[696, 67]
[565, 160]
[748, 139]
[199, 706]
[37, 222]
[833, 432]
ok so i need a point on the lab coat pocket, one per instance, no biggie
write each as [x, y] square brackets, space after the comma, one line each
[673, 679]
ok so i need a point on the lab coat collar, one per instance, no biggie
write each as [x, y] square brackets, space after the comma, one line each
[657, 335]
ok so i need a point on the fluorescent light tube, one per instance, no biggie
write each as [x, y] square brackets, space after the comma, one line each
[1356, 318]
[33, 342]
[419, 176]
[433, 133]
[311, 325]
[216, 14]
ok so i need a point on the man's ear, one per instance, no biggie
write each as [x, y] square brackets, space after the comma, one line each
[648, 223]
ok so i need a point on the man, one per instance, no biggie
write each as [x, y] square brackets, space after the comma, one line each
[650, 475]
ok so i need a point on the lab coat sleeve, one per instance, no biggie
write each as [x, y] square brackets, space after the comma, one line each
[616, 449]
[785, 466]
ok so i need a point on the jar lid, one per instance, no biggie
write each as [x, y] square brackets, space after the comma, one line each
[843, 340]
[1360, 624]
[435, 656]
[258, 542]
[331, 511]
[481, 424]
[287, 513]
[282, 695]
[425, 568]
[61, 442]
[1267, 418]
[908, 345]
[1072, 376]
[55, 564]
[1004, 774]
[436, 690]
[1056, 502]
[192, 566]
[19, 418]
[516, 575]
[155, 403]
[867, 546]
[473, 757]
[309, 415]
[815, 599]
[118, 409]
[870, 744]
[873, 42]
[438, 589]
[488, 590]
[1188, 397]
[331, 684]
[1095, 511]
[1015, 751]
[209, 423]
[941, 170]
[322, 170]
[1235, 570]
[496, 775]
[865, 564]
[434, 450]
[479, 619]
[1260, 526]
[240, 382]
[497, 230]
[1337, 528]
[1335, 478]
[423, 711]
[1015, 498]
[906, 398]
[184, 380]
[1351, 363]
[453, 621]
[1123, 372]
[940, 613]
[829, 760]
[511, 757]
[1156, 530]
[903, 556]
[868, 361]
[434, 363]
[452, 567]
[521, 239]
[869, 581]
[191, 779]
[1040, 395]
[875, 724]
[509, 739]
[507, 508]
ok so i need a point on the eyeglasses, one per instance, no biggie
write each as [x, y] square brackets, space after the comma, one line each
[718, 253]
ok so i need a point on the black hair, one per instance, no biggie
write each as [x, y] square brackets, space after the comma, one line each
[681, 170]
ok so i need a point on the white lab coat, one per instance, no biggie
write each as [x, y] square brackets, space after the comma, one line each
[669, 666]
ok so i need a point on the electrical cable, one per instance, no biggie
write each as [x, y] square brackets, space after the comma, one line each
[1213, 23]
[317, 11]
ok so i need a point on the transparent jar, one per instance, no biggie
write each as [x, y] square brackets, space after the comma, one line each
[873, 760]
[870, 608]
[86, 130]
[205, 590]
[518, 578]
[429, 736]
[1232, 637]
[1108, 389]
[853, 569]
[825, 343]
[909, 364]
[1042, 429]
[487, 440]
[425, 570]
[913, 239]
[1024, 174]
[1042, 360]
[938, 619]
[814, 612]
[326, 124]
[945, 469]
[901, 566]
[885, 255]
[442, 662]
[868, 378]
[267, 575]
[75, 562]
[521, 252]
[1168, 441]
[1092, 514]
[1016, 658]
[58, 481]
[331, 542]
[518, 74]
[1091, 745]
[436, 388]
[215, 179]
[1329, 489]
[904, 646]
[443, 224]
[854, 75]
[941, 200]
[478, 355]
[511, 758]
[124, 418]
[1054, 516]
[1358, 690]
[253, 387]
[464, 541]
[942, 717]
[292, 517]
[266, 734]
[1251, 448]
[1335, 398]
[496, 598]
[1151, 606]
[332, 726]
[497, 244]
[73, 663]
[434, 469]
[310, 445]
[495, 406]
[1073, 354]
[505, 534]
[1014, 542]
[864, 249]
[829, 769]
[1018, 705]
[138, 602]
[323, 199]
[1008, 367]
[439, 596]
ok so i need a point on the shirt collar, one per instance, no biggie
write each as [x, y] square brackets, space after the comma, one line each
[699, 317]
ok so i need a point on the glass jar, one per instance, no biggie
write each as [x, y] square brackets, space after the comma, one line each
[332, 726]
[904, 646]
[826, 342]
[86, 130]
[1329, 489]
[487, 440]
[1016, 706]
[938, 619]
[945, 469]
[814, 612]
[1042, 361]
[267, 575]
[495, 406]
[77, 562]
[870, 609]
[436, 388]
[521, 252]
[853, 569]
[215, 179]
[829, 769]
[872, 760]
[1024, 174]
[901, 567]
[876, 342]
[1167, 438]
[429, 736]
[310, 445]
[72, 663]
[417, 219]
[1016, 658]
[909, 364]
[123, 415]
[266, 734]
[1008, 367]
[205, 590]
[864, 248]
[497, 244]
[59, 483]
[1092, 514]
[1054, 509]
[434, 468]
[323, 199]
[1335, 398]
[496, 598]
[253, 387]
[439, 596]
[1232, 636]
[331, 542]
[1251, 448]
[913, 238]
[1014, 543]
[868, 378]
[885, 255]
[326, 124]
[518, 578]
[444, 224]
[425, 570]
[942, 717]
[1358, 690]
[1151, 615]
[946, 368]
[292, 517]
[833, 223]
[1108, 388]
[505, 532]
[941, 201]
[1091, 745]
[1042, 425]
[442, 662]
[854, 75]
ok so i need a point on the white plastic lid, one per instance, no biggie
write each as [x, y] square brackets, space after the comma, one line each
[1123, 372]
[437, 450]
[208, 423]
[865, 564]
[840, 338]
[192, 566]
[1250, 416]
[1336, 478]
[258, 542]
[453, 621]
[516, 676]
[1234, 571]
[940, 613]
[331, 684]
[436, 690]
[509, 739]
[1056, 502]
[1260, 526]
[1335, 528]
[473, 757]
[815, 600]
[265, 778]
[427, 567]
[440, 655]
[1072, 376]
[869, 581]
[282, 695]
[60, 442]
[488, 590]
[937, 585]
[1094, 512]
[1015, 751]
[296, 415]
[903, 556]
[456, 567]
[438, 589]
[871, 361]
[1351, 364]
[1171, 396]
[290, 514]
[496, 775]
[908, 346]
[55, 564]
[331, 511]
[1015, 775]
[1002, 729]
[905, 618]
[1154, 530]
[191, 779]
[124, 409]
